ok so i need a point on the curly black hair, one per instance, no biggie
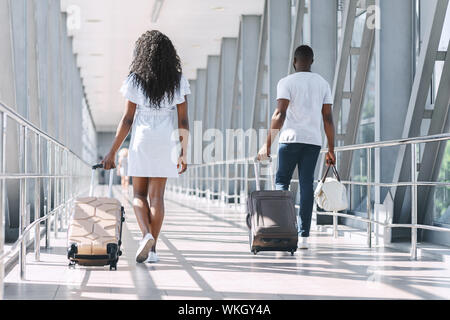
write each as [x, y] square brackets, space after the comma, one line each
[156, 67]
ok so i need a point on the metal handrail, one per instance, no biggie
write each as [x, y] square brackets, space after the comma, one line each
[370, 145]
[199, 182]
[27, 230]
[30, 126]
[63, 185]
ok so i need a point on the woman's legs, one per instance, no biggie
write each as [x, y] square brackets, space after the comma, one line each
[140, 204]
[156, 190]
[127, 182]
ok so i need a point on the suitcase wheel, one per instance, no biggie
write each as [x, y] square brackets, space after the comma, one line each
[72, 250]
[72, 265]
[113, 266]
[292, 252]
[255, 252]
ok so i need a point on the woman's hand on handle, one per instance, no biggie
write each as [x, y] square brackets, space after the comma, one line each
[109, 162]
[182, 165]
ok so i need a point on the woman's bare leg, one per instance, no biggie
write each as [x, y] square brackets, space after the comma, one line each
[157, 187]
[127, 182]
[140, 204]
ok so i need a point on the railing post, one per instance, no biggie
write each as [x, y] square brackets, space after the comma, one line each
[37, 200]
[335, 226]
[49, 194]
[219, 184]
[67, 187]
[414, 201]
[61, 188]
[3, 201]
[235, 184]
[246, 168]
[369, 197]
[227, 183]
[207, 183]
[189, 179]
[213, 182]
[62, 196]
[63, 191]
[186, 184]
[23, 203]
[56, 192]
[195, 181]
[71, 185]
[47, 226]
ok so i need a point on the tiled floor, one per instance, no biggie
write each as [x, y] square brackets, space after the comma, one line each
[205, 255]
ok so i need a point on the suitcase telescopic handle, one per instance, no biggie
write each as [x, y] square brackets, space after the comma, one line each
[256, 166]
[111, 178]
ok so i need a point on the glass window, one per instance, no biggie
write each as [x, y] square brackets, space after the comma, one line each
[359, 168]
[445, 37]
[442, 194]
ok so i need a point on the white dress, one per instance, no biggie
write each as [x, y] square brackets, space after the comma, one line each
[153, 150]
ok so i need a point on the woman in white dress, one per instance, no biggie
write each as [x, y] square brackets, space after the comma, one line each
[155, 89]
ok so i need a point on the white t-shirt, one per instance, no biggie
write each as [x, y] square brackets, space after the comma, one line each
[307, 93]
[137, 96]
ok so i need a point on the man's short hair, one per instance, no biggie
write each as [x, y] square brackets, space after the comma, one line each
[304, 53]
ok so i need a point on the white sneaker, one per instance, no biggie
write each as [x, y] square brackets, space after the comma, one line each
[152, 257]
[303, 243]
[145, 245]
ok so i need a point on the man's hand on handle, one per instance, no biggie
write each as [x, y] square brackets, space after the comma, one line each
[331, 158]
[264, 153]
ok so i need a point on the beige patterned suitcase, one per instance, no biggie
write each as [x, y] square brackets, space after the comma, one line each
[95, 229]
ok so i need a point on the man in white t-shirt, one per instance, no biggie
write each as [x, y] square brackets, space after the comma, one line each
[303, 101]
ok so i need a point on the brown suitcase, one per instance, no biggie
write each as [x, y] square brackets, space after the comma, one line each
[95, 229]
[271, 218]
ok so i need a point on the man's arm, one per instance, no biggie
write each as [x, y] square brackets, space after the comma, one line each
[327, 115]
[276, 124]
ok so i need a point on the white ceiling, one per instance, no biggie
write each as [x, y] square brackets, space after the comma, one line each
[108, 30]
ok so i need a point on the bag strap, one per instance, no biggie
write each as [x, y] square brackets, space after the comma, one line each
[325, 175]
[334, 171]
[336, 174]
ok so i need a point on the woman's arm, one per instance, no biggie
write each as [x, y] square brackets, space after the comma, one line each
[183, 130]
[121, 133]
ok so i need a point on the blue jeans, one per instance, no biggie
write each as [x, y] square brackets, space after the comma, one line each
[305, 157]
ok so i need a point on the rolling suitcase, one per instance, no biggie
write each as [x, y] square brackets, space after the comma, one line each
[271, 218]
[95, 229]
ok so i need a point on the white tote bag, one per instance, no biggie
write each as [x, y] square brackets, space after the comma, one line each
[330, 194]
